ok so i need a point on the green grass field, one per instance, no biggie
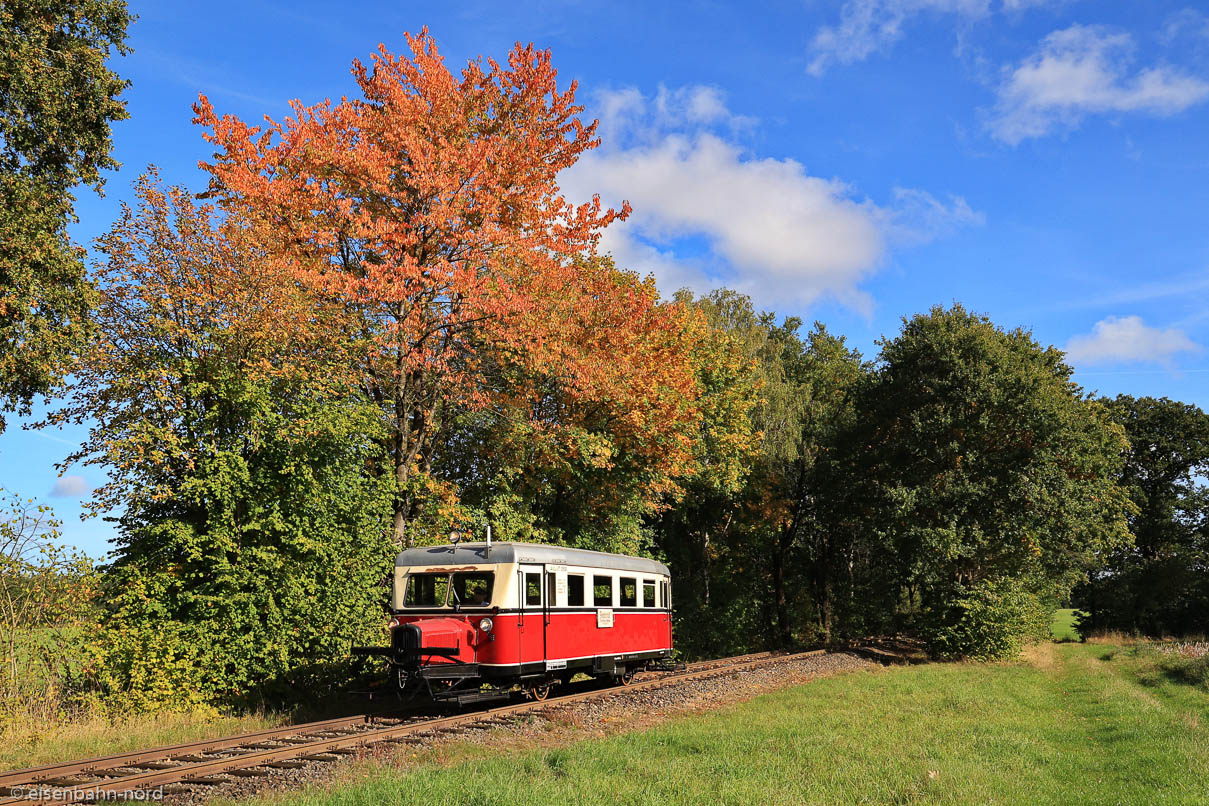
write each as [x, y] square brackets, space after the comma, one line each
[1063, 625]
[1076, 723]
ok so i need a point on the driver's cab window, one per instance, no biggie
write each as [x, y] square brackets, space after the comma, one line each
[472, 589]
[426, 590]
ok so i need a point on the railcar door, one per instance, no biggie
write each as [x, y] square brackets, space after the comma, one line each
[533, 616]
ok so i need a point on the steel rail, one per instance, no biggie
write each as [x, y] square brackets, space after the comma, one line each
[183, 773]
[51, 771]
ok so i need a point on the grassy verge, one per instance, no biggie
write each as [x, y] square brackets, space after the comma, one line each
[1076, 723]
[1063, 626]
[29, 744]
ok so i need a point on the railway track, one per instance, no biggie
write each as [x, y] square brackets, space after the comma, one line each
[197, 763]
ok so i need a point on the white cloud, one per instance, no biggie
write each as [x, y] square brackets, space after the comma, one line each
[1021, 5]
[1084, 70]
[770, 229]
[70, 487]
[869, 26]
[1127, 339]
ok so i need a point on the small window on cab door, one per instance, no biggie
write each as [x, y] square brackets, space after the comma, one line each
[629, 592]
[533, 589]
[602, 591]
[648, 593]
[575, 590]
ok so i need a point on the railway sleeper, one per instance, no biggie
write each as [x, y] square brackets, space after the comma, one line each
[63, 783]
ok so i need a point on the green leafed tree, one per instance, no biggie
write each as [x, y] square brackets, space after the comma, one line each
[988, 478]
[1159, 584]
[58, 99]
[252, 535]
[755, 560]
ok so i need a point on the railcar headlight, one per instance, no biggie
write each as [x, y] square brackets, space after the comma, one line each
[394, 622]
[486, 624]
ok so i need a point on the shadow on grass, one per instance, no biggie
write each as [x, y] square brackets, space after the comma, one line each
[889, 651]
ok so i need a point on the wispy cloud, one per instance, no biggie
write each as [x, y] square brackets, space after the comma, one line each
[1127, 339]
[871, 26]
[1122, 297]
[1081, 71]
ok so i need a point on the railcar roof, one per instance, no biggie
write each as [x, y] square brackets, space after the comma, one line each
[507, 552]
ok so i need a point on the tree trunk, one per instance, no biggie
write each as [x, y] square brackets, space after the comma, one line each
[780, 600]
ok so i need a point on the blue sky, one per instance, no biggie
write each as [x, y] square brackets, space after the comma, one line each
[1043, 162]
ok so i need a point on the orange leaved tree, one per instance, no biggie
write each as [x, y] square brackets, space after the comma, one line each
[429, 211]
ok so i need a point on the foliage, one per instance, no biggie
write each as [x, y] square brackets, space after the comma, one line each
[1158, 585]
[46, 596]
[428, 209]
[753, 537]
[251, 543]
[57, 101]
[984, 464]
[550, 462]
[991, 620]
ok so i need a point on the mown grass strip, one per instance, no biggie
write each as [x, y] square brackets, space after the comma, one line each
[1063, 626]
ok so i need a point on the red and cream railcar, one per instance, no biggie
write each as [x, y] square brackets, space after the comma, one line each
[472, 619]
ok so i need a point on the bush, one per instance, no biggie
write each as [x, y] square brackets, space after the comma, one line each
[991, 620]
[145, 670]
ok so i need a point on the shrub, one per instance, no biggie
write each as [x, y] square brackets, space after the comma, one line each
[991, 620]
[144, 670]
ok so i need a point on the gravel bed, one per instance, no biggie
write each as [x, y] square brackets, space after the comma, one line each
[623, 710]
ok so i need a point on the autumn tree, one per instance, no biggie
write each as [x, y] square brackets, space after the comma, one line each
[251, 524]
[584, 461]
[57, 101]
[429, 209]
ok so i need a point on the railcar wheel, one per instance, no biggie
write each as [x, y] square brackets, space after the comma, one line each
[627, 676]
[540, 691]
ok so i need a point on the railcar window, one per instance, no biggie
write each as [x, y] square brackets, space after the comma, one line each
[602, 591]
[426, 590]
[575, 590]
[648, 593]
[629, 592]
[533, 589]
[472, 590]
